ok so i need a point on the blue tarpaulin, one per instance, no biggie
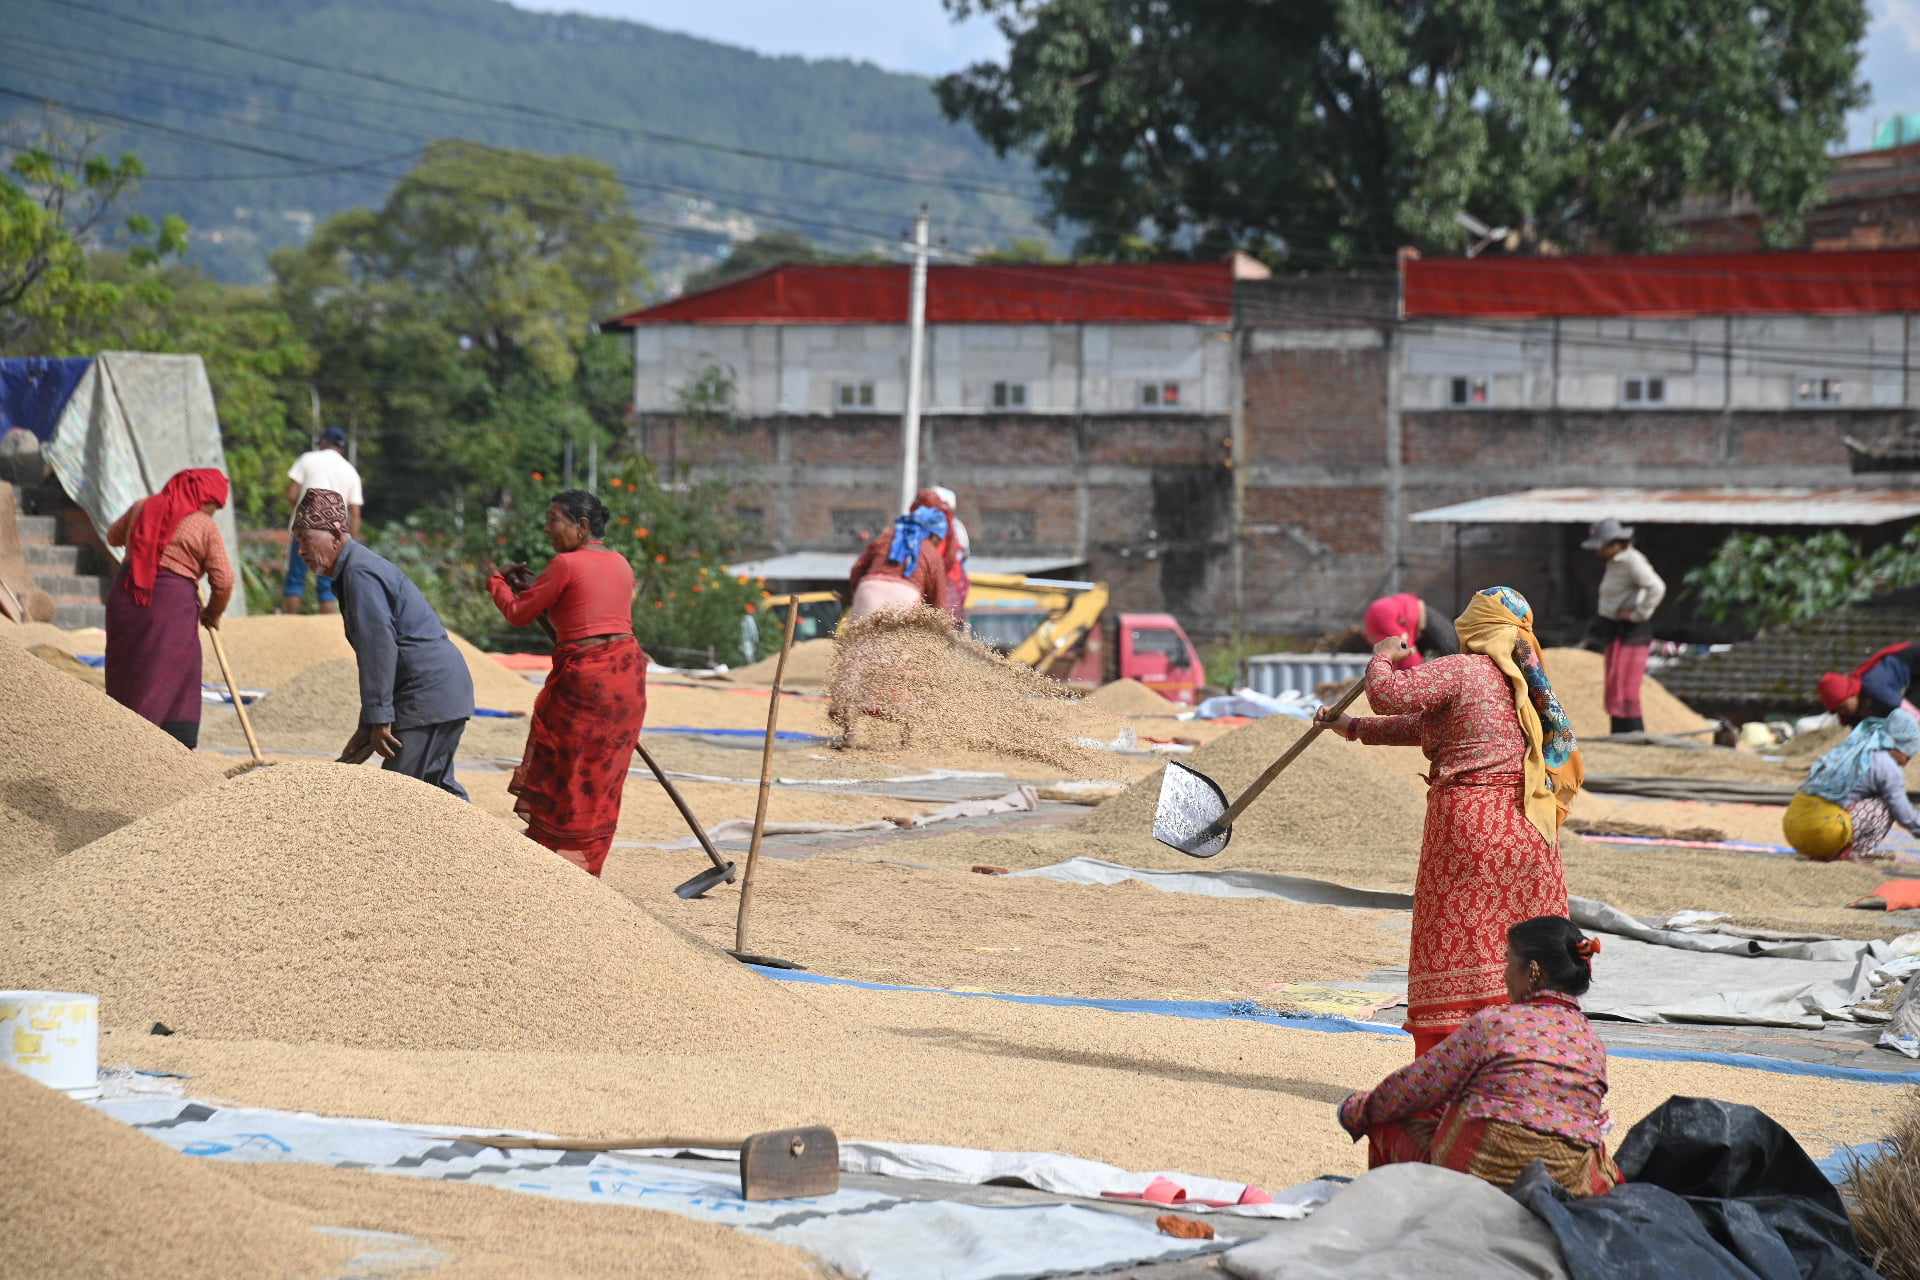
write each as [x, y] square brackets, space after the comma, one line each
[34, 392]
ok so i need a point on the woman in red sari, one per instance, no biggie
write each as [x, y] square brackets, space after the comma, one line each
[1505, 768]
[154, 611]
[588, 715]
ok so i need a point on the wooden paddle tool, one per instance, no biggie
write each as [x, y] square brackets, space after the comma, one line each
[1193, 815]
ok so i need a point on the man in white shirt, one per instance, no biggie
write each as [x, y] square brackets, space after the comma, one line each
[323, 468]
[1629, 593]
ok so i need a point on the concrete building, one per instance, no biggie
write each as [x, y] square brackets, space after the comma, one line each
[1081, 412]
[1269, 455]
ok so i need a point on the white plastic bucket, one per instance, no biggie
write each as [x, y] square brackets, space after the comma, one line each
[53, 1036]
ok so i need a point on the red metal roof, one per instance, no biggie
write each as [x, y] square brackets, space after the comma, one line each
[1117, 293]
[1799, 283]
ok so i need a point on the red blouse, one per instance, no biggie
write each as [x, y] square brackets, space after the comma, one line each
[1536, 1063]
[584, 592]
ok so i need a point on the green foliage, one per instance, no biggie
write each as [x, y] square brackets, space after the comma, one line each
[1760, 580]
[1342, 131]
[1021, 249]
[49, 206]
[454, 326]
[677, 541]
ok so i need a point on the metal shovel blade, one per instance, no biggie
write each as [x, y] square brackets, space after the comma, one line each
[698, 886]
[1188, 815]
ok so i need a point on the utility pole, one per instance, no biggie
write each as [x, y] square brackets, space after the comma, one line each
[916, 357]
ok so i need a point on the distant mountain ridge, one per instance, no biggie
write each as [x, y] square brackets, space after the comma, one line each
[605, 88]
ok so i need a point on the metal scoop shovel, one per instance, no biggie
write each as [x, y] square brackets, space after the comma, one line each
[1193, 815]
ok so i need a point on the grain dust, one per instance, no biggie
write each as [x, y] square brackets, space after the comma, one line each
[85, 1195]
[76, 765]
[312, 903]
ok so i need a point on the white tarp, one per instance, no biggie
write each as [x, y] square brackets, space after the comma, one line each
[132, 422]
[1408, 1222]
[871, 1233]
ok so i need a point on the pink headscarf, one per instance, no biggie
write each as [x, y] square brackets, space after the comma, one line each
[1395, 616]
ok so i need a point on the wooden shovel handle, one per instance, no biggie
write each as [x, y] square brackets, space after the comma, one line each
[1292, 753]
[233, 691]
[673, 794]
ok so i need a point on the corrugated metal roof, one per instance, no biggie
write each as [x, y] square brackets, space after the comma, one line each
[1035, 293]
[1826, 282]
[1684, 506]
[834, 564]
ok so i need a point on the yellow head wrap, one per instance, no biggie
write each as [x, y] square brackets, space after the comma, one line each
[1495, 621]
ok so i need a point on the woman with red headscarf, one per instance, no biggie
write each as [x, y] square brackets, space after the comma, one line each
[1426, 630]
[1877, 687]
[953, 549]
[153, 642]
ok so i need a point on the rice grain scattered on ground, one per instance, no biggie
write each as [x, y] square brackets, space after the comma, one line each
[76, 765]
[809, 664]
[1128, 698]
[312, 903]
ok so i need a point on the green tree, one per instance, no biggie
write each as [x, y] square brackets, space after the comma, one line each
[54, 198]
[453, 327]
[1019, 250]
[257, 364]
[1761, 580]
[746, 257]
[676, 538]
[1341, 130]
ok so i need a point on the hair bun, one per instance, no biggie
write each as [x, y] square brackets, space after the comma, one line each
[1587, 948]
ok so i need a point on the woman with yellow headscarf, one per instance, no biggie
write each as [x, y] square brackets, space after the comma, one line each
[1505, 768]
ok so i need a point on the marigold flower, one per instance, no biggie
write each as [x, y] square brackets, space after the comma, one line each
[537, 477]
[661, 558]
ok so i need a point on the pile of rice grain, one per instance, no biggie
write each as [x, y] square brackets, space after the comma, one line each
[809, 663]
[87, 1196]
[1336, 794]
[1579, 680]
[322, 903]
[1128, 698]
[906, 680]
[75, 765]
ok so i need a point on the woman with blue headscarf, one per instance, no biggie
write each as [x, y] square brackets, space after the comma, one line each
[903, 567]
[1856, 792]
[1504, 770]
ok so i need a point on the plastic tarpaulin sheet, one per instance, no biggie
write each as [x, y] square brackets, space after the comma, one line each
[865, 1232]
[1415, 1221]
[1714, 1190]
[132, 422]
[34, 392]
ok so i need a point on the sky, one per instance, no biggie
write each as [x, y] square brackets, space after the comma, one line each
[916, 35]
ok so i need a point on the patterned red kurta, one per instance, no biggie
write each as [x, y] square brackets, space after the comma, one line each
[1483, 866]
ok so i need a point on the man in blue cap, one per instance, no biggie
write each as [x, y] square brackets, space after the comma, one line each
[325, 467]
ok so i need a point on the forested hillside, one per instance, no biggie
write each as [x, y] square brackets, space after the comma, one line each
[714, 143]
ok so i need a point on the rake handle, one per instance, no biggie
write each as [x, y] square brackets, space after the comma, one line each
[1291, 754]
[673, 794]
[233, 691]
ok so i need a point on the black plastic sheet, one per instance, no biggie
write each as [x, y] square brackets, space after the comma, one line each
[1715, 1190]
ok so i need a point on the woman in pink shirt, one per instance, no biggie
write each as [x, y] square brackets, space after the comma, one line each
[588, 715]
[1516, 1083]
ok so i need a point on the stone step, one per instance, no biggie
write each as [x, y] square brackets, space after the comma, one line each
[84, 586]
[71, 616]
[43, 557]
[36, 530]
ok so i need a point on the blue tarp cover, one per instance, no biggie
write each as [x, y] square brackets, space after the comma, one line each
[34, 391]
